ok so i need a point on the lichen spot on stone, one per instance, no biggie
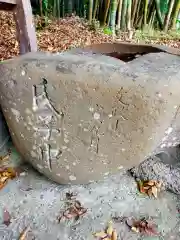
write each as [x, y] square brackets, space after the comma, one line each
[159, 94]
[33, 154]
[120, 167]
[96, 116]
[23, 73]
[28, 111]
[16, 113]
[169, 144]
[22, 135]
[169, 130]
[163, 145]
[91, 109]
[39, 166]
[164, 138]
[67, 167]
[106, 174]
[72, 178]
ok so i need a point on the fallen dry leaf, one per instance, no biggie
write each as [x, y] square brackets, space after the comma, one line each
[143, 226]
[109, 230]
[114, 235]
[5, 157]
[6, 218]
[6, 173]
[24, 233]
[71, 195]
[74, 209]
[108, 234]
[151, 187]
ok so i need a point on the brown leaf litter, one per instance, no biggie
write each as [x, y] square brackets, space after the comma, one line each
[109, 234]
[150, 187]
[73, 208]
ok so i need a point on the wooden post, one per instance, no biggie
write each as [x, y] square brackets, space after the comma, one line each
[23, 17]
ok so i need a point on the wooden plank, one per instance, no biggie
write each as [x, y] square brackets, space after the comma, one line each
[26, 34]
[8, 1]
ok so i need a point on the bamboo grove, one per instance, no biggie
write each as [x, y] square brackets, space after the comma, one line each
[120, 15]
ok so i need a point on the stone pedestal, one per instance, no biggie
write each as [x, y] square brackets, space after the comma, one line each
[78, 118]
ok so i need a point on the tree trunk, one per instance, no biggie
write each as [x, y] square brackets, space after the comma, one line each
[175, 14]
[168, 15]
[119, 14]
[113, 16]
[158, 13]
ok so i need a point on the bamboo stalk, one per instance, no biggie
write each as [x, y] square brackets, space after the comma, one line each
[119, 14]
[134, 10]
[123, 15]
[95, 8]
[54, 8]
[168, 15]
[129, 15]
[137, 17]
[158, 13]
[151, 11]
[175, 14]
[90, 11]
[145, 12]
[113, 16]
[41, 8]
[106, 11]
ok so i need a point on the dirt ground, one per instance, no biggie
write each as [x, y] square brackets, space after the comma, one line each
[34, 201]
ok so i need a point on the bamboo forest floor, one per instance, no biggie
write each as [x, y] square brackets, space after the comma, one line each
[60, 35]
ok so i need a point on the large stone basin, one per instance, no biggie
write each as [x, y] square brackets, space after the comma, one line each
[79, 117]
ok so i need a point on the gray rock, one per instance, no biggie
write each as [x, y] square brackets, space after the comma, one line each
[77, 119]
[164, 166]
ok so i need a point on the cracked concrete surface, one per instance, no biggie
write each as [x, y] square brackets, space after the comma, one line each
[115, 196]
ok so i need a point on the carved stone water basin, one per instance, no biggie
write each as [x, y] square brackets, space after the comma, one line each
[79, 117]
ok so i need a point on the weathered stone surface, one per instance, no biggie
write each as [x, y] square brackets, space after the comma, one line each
[131, 51]
[78, 118]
